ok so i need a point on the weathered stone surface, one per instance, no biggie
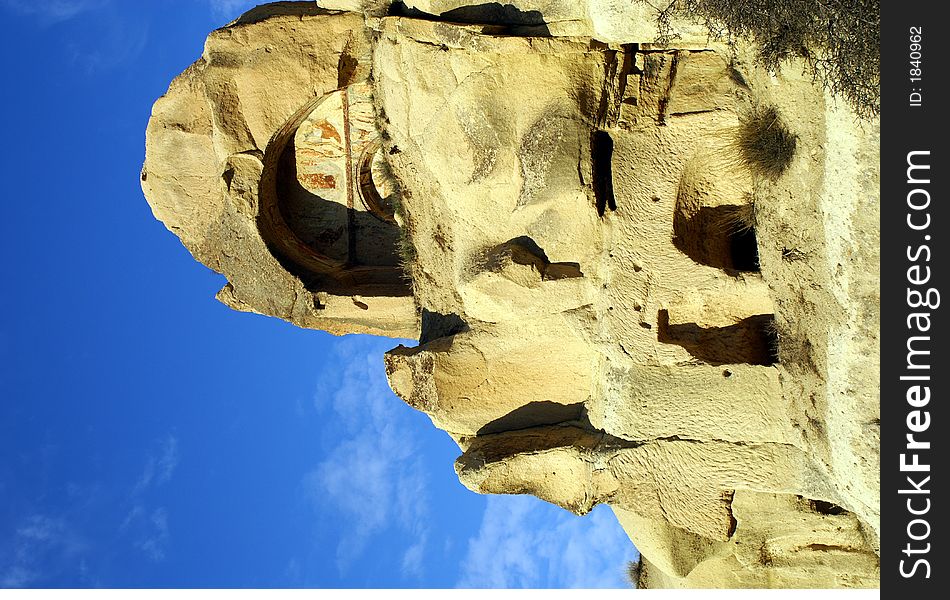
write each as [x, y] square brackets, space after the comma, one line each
[645, 191]
[495, 378]
[780, 541]
[688, 483]
[251, 162]
[704, 82]
[516, 151]
[607, 20]
[616, 305]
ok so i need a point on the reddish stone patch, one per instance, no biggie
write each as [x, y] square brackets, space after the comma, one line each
[318, 180]
[328, 131]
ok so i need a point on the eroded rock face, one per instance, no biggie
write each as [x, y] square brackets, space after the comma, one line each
[617, 21]
[625, 163]
[262, 158]
[780, 540]
[617, 304]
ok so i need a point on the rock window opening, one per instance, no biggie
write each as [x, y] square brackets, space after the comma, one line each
[717, 236]
[602, 151]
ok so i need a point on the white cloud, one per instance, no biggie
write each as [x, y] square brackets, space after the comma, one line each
[40, 528]
[137, 511]
[158, 537]
[168, 459]
[525, 543]
[39, 547]
[150, 531]
[373, 483]
[53, 11]
[373, 479]
[148, 528]
[413, 559]
[159, 465]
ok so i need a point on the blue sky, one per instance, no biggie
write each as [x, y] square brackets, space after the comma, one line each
[151, 437]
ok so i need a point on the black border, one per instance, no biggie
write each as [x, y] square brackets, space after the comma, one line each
[906, 128]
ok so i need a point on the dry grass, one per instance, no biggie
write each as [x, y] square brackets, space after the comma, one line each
[633, 573]
[738, 219]
[793, 349]
[406, 249]
[838, 40]
[765, 144]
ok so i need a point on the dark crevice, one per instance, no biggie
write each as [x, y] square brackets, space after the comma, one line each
[523, 250]
[578, 433]
[602, 151]
[628, 66]
[826, 508]
[561, 270]
[535, 414]
[227, 176]
[665, 99]
[623, 96]
[823, 548]
[744, 250]
[436, 325]
[751, 340]
[346, 68]
[729, 497]
[504, 19]
[550, 271]
[530, 245]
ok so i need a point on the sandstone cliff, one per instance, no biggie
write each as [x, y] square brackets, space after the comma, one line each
[640, 275]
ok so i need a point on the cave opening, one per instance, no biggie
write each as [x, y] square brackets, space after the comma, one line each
[718, 236]
[744, 250]
[602, 152]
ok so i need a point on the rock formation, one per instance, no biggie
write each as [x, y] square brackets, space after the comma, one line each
[641, 275]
